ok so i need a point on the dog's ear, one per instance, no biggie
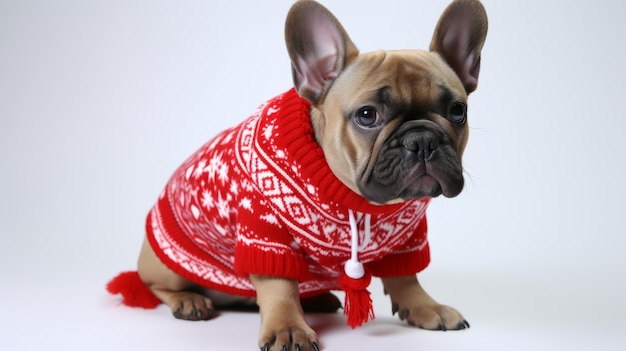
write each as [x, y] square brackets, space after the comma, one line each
[319, 48]
[459, 38]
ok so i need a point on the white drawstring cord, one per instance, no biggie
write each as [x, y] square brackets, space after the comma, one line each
[358, 304]
[368, 232]
[353, 268]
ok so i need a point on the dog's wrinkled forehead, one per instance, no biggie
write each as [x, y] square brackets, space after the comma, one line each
[409, 79]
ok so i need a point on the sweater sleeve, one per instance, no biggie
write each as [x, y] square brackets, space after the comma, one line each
[412, 260]
[264, 245]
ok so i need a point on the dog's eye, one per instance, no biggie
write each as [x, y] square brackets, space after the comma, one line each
[458, 112]
[368, 117]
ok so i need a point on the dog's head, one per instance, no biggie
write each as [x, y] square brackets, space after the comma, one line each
[392, 124]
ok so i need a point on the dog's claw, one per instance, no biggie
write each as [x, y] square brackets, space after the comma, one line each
[394, 308]
[404, 314]
[442, 327]
[284, 348]
[315, 346]
[297, 347]
[199, 310]
[265, 347]
[462, 325]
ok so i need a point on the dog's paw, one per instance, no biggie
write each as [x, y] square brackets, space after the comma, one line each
[191, 306]
[432, 317]
[297, 337]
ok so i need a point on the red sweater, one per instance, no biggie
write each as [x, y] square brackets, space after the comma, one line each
[260, 199]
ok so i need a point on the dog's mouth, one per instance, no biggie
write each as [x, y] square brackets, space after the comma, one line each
[432, 183]
[413, 164]
[425, 185]
[425, 180]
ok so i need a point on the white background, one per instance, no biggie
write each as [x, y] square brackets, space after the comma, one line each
[101, 100]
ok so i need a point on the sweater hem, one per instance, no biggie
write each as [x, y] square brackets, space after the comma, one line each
[397, 265]
[181, 255]
[171, 245]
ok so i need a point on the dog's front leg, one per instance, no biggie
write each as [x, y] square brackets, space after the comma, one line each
[282, 320]
[414, 305]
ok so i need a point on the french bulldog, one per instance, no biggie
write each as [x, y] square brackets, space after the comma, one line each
[329, 179]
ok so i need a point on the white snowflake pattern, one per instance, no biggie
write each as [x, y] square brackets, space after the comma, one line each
[199, 169]
[241, 174]
[222, 172]
[247, 186]
[222, 207]
[207, 200]
[246, 203]
[234, 188]
[214, 166]
[270, 218]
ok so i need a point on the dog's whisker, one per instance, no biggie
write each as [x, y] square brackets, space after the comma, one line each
[479, 129]
[469, 176]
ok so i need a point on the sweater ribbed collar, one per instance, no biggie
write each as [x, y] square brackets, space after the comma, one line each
[294, 135]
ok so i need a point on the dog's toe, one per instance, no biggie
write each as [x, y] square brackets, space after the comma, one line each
[463, 325]
[436, 317]
[293, 338]
[282, 340]
[290, 339]
[193, 307]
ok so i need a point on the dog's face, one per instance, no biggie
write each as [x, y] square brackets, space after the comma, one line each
[399, 126]
[392, 124]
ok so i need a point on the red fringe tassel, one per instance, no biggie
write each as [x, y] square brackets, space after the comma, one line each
[134, 292]
[358, 304]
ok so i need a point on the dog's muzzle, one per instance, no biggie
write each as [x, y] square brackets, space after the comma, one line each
[418, 160]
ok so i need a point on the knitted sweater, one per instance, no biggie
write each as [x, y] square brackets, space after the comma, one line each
[260, 198]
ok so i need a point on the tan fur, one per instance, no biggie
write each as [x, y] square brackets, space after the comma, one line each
[414, 305]
[348, 154]
[350, 84]
[186, 299]
[282, 317]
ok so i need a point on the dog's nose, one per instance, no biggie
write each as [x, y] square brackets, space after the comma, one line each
[421, 144]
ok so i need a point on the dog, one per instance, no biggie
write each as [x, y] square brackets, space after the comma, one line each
[321, 188]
